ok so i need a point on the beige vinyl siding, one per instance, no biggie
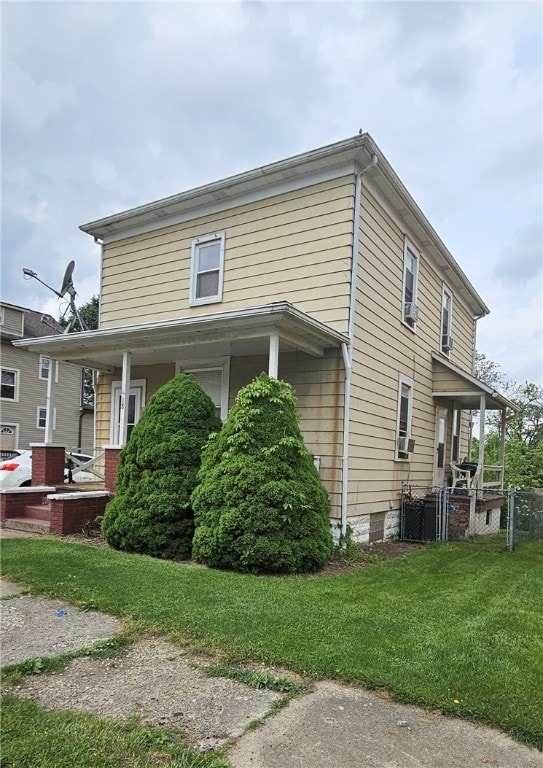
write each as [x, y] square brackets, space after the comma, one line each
[293, 247]
[385, 348]
[13, 321]
[33, 395]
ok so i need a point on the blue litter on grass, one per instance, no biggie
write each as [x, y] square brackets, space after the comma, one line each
[61, 613]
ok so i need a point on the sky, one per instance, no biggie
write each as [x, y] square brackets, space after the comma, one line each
[109, 105]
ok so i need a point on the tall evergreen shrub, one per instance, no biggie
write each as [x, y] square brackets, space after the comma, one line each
[260, 506]
[151, 512]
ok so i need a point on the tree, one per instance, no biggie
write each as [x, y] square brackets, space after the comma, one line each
[158, 467]
[260, 506]
[523, 429]
[90, 313]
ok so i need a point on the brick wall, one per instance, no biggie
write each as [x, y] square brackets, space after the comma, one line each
[47, 464]
[71, 512]
[13, 502]
[111, 460]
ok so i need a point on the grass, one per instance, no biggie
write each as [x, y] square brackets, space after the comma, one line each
[31, 737]
[456, 627]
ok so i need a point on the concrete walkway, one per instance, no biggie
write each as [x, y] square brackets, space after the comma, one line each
[332, 726]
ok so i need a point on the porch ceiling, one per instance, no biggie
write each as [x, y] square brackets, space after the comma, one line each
[454, 384]
[234, 332]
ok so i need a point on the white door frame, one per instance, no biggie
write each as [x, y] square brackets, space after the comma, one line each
[442, 420]
[137, 388]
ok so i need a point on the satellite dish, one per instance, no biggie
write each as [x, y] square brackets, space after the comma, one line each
[67, 288]
[67, 281]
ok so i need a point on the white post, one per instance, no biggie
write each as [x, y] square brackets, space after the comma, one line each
[273, 361]
[482, 419]
[502, 448]
[50, 402]
[125, 392]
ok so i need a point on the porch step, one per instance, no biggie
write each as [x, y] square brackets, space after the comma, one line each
[27, 524]
[37, 511]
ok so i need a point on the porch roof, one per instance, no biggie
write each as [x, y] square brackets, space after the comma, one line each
[452, 383]
[233, 332]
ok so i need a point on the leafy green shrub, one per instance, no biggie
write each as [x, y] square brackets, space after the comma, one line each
[158, 467]
[260, 506]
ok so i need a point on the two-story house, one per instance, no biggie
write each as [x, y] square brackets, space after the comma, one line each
[322, 270]
[24, 387]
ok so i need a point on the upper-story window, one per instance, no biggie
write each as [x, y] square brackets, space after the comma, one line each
[410, 279]
[45, 365]
[446, 322]
[207, 267]
[9, 389]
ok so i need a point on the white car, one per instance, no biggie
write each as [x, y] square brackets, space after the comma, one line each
[16, 471]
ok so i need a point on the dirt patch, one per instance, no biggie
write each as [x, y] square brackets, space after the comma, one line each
[359, 556]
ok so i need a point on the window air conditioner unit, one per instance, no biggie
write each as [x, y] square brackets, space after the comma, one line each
[406, 445]
[410, 312]
[446, 343]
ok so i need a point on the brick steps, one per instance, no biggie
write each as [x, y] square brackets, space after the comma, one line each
[37, 512]
[28, 524]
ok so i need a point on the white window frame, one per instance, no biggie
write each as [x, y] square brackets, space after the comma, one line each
[17, 372]
[409, 248]
[43, 358]
[196, 243]
[116, 388]
[2, 323]
[219, 364]
[44, 409]
[446, 293]
[404, 381]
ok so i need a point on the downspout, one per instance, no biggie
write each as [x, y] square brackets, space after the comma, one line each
[347, 349]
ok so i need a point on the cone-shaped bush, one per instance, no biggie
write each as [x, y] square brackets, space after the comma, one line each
[260, 506]
[158, 467]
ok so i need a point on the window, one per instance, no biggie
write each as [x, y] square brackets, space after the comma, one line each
[377, 526]
[9, 389]
[41, 418]
[45, 365]
[446, 322]
[410, 277]
[207, 266]
[405, 410]
[214, 382]
[1, 315]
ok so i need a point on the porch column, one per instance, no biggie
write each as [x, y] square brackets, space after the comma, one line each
[482, 418]
[50, 401]
[273, 360]
[125, 391]
[502, 447]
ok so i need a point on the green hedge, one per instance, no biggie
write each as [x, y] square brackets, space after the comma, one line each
[158, 467]
[260, 506]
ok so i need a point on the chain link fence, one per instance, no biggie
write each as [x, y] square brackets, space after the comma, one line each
[430, 513]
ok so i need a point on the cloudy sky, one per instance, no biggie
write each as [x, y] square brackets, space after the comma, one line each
[108, 105]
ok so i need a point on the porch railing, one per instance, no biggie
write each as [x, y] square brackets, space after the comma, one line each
[76, 465]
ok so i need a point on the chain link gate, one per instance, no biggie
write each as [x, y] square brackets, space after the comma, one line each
[424, 513]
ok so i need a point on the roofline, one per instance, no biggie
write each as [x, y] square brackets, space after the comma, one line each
[477, 383]
[357, 150]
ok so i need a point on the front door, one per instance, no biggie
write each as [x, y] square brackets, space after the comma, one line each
[440, 471]
[134, 405]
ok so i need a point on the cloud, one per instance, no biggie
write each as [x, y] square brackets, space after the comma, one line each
[111, 105]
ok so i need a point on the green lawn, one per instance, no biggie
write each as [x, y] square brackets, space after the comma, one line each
[458, 627]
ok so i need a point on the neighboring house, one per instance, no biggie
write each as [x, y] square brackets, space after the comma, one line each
[322, 270]
[24, 379]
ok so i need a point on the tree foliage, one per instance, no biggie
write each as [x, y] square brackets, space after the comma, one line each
[260, 506]
[523, 429]
[90, 312]
[158, 467]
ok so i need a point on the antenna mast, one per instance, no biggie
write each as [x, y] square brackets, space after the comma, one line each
[67, 288]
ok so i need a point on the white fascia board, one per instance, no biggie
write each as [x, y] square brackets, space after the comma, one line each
[196, 208]
[92, 342]
[316, 160]
[480, 386]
